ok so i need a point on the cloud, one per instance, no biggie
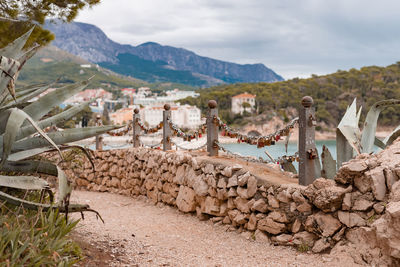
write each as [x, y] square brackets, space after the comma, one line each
[294, 38]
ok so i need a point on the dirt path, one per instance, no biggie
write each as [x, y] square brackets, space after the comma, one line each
[137, 233]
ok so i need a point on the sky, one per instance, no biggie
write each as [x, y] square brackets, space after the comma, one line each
[292, 37]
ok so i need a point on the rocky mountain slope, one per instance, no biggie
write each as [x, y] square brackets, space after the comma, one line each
[90, 43]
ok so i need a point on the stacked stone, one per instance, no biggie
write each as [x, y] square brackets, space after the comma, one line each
[315, 217]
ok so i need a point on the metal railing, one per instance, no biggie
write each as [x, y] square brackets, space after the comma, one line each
[307, 156]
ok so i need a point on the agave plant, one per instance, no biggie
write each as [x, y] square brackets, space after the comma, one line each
[351, 141]
[20, 119]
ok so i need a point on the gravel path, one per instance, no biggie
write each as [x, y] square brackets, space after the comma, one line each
[137, 233]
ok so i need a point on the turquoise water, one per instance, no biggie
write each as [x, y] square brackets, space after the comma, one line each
[277, 150]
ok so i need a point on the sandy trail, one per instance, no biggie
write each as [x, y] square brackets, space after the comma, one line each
[137, 233]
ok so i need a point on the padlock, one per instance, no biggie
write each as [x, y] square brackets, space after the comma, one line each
[312, 153]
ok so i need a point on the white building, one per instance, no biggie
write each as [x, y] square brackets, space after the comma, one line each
[238, 103]
[142, 97]
[185, 116]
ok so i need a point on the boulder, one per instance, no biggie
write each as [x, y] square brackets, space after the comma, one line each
[261, 236]
[351, 219]
[278, 216]
[272, 201]
[233, 181]
[242, 204]
[327, 224]
[259, 205]
[321, 245]
[251, 186]
[378, 183]
[270, 226]
[304, 238]
[200, 186]
[185, 200]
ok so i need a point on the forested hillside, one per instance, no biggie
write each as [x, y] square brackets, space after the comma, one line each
[332, 93]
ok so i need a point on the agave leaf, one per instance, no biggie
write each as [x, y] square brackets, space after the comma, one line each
[23, 182]
[392, 136]
[317, 165]
[65, 115]
[13, 49]
[24, 57]
[379, 143]
[67, 136]
[46, 103]
[344, 152]
[64, 188]
[30, 87]
[8, 69]
[31, 94]
[328, 164]
[31, 166]
[15, 120]
[45, 207]
[371, 121]
[348, 128]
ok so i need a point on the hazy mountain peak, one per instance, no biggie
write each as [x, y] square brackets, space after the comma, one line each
[89, 42]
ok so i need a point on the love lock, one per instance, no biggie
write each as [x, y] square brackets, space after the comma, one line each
[312, 121]
[312, 153]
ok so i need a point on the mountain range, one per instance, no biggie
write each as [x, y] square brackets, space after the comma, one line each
[153, 62]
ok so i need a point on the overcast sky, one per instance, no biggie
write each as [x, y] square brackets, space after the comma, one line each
[294, 38]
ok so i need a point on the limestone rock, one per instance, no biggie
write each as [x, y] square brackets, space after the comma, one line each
[186, 199]
[240, 218]
[261, 236]
[346, 204]
[179, 175]
[259, 205]
[252, 224]
[200, 187]
[270, 226]
[378, 183]
[326, 223]
[284, 196]
[211, 206]
[221, 183]
[227, 171]
[320, 245]
[233, 181]
[242, 192]
[251, 186]
[232, 192]
[351, 219]
[363, 183]
[242, 179]
[242, 204]
[304, 238]
[272, 201]
[278, 216]
[283, 239]
[296, 226]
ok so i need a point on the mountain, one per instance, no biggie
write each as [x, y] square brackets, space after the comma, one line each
[162, 63]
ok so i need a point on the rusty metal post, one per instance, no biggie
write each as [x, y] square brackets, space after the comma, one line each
[166, 128]
[212, 128]
[308, 154]
[99, 138]
[136, 128]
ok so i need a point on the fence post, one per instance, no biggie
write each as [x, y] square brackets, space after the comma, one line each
[212, 128]
[136, 128]
[166, 128]
[99, 138]
[308, 154]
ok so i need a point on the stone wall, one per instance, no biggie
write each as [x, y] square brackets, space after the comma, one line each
[358, 212]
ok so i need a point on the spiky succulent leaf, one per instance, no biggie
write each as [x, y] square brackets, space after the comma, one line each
[348, 128]
[46, 103]
[371, 121]
[65, 115]
[23, 182]
[64, 137]
[379, 143]
[13, 49]
[392, 136]
[15, 120]
[31, 166]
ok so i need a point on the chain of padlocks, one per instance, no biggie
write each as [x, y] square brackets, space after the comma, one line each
[189, 149]
[260, 141]
[188, 136]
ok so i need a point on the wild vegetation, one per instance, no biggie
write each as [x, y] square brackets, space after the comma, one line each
[21, 184]
[332, 94]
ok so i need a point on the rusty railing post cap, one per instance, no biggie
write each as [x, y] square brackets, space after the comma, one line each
[307, 101]
[136, 111]
[167, 107]
[212, 104]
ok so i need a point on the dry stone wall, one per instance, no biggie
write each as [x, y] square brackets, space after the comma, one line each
[358, 212]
